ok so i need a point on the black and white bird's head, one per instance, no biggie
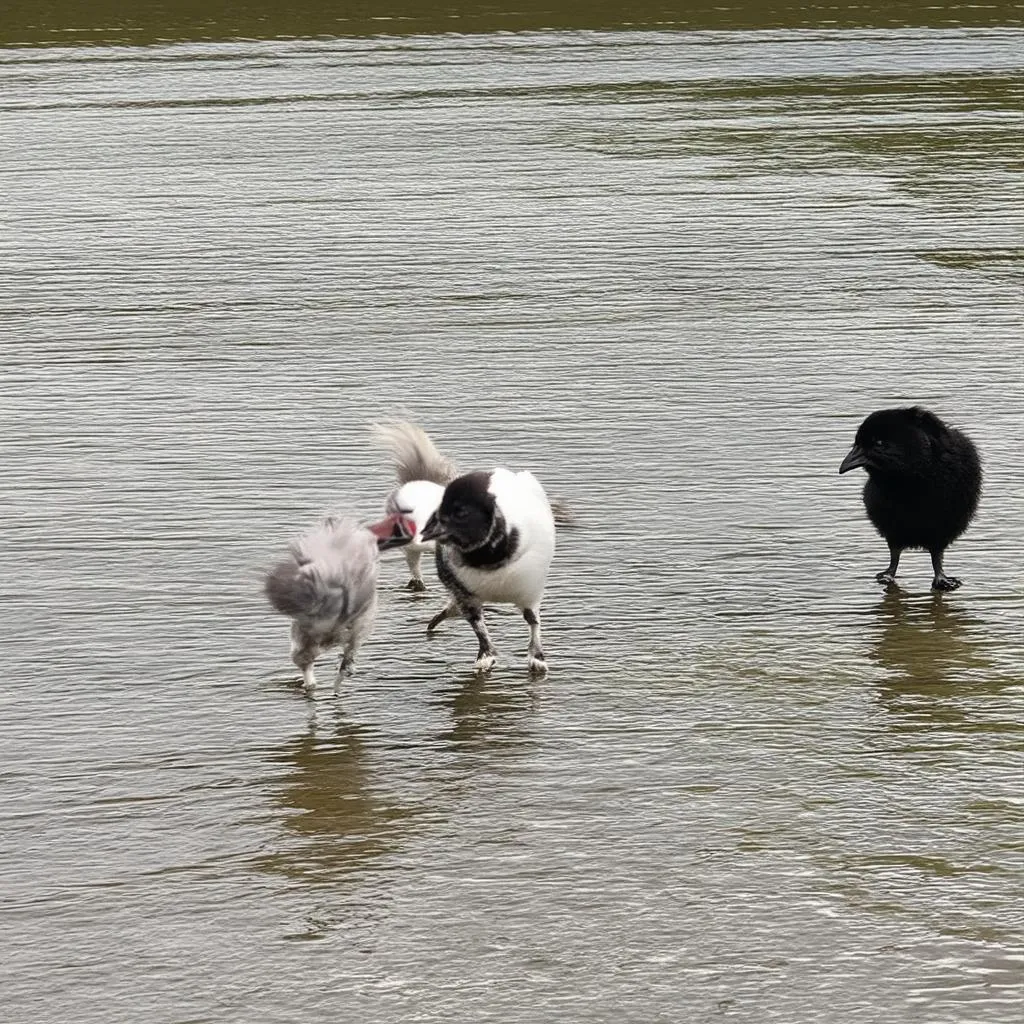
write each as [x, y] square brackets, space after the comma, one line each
[468, 515]
[393, 531]
[896, 443]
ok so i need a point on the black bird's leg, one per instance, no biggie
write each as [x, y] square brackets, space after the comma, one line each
[941, 581]
[485, 658]
[889, 574]
[536, 662]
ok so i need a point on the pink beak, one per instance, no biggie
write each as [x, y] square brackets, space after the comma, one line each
[393, 531]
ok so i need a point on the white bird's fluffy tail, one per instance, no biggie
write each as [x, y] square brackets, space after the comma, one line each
[415, 455]
[328, 574]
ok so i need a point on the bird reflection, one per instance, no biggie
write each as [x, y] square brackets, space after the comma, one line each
[488, 715]
[933, 654]
[337, 816]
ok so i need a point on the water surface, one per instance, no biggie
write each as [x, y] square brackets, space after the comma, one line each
[667, 270]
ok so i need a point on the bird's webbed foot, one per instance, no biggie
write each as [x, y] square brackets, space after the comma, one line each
[945, 582]
[416, 585]
[886, 577]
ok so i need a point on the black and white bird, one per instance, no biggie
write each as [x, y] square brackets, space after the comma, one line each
[327, 586]
[421, 475]
[495, 536]
[923, 486]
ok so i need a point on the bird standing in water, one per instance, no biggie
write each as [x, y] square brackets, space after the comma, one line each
[495, 535]
[327, 586]
[421, 474]
[923, 486]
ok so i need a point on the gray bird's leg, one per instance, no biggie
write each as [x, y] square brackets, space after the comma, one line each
[941, 581]
[304, 652]
[415, 583]
[346, 665]
[353, 638]
[889, 574]
[535, 661]
[485, 658]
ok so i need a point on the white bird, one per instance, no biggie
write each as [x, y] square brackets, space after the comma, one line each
[421, 473]
[327, 586]
[496, 537]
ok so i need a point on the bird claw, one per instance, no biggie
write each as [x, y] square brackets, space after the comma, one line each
[886, 577]
[945, 583]
[537, 667]
[416, 586]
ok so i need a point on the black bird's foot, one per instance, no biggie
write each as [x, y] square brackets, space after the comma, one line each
[887, 577]
[416, 585]
[945, 582]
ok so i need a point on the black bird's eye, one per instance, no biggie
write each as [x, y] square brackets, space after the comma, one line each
[460, 512]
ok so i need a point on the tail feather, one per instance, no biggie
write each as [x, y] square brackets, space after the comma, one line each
[328, 574]
[415, 455]
[306, 591]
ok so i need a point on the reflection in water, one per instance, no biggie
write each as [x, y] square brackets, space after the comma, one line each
[933, 650]
[336, 816]
[488, 714]
[63, 22]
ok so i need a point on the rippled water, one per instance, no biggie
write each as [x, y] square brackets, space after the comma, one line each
[668, 271]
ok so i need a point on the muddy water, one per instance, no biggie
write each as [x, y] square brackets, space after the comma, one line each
[667, 270]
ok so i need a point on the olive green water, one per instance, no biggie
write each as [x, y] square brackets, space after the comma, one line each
[666, 262]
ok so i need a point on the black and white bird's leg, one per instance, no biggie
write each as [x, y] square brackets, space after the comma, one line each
[535, 660]
[304, 652]
[473, 613]
[941, 580]
[412, 558]
[449, 611]
[888, 575]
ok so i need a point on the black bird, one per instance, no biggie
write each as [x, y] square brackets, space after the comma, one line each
[924, 481]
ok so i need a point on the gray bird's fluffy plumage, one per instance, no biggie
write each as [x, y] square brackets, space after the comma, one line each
[327, 586]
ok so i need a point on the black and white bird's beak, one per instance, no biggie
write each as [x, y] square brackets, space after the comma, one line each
[434, 530]
[854, 459]
[393, 531]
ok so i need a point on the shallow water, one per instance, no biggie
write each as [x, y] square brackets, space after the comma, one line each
[669, 271]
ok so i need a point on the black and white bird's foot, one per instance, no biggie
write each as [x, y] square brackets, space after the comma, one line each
[945, 582]
[416, 585]
[536, 666]
[484, 663]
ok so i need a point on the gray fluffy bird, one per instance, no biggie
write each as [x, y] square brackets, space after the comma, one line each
[327, 586]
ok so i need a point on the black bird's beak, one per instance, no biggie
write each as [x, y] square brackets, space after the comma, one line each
[433, 530]
[854, 459]
[393, 531]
